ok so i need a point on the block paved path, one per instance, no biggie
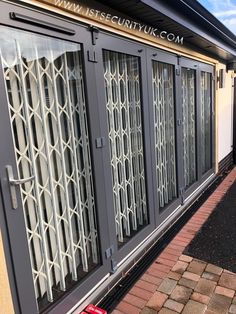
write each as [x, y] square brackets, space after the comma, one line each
[177, 283]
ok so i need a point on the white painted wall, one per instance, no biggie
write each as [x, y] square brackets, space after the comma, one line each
[225, 116]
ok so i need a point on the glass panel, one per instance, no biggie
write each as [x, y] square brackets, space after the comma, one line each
[123, 103]
[189, 125]
[45, 89]
[206, 155]
[164, 121]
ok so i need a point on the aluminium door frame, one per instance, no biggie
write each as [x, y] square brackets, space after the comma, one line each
[198, 67]
[203, 67]
[164, 57]
[193, 65]
[15, 239]
[113, 43]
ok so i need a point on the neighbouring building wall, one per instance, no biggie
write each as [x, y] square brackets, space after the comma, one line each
[6, 305]
[224, 115]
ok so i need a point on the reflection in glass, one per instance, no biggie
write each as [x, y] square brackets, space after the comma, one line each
[45, 89]
[164, 122]
[206, 145]
[189, 125]
[123, 103]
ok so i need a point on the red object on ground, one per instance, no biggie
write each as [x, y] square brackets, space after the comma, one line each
[83, 312]
[92, 309]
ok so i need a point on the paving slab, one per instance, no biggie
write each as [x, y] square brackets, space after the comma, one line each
[194, 307]
[174, 275]
[187, 283]
[185, 258]
[157, 300]
[181, 294]
[167, 286]
[180, 267]
[201, 298]
[205, 286]
[224, 291]
[228, 280]
[214, 269]
[232, 309]
[191, 276]
[147, 310]
[166, 311]
[219, 304]
[196, 267]
[174, 306]
[210, 276]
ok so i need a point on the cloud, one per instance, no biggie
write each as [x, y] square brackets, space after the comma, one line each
[224, 10]
[225, 13]
[230, 22]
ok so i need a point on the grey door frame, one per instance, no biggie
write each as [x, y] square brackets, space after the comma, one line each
[116, 44]
[198, 67]
[203, 67]
[192, 64]
[19, 267]
[164, 57]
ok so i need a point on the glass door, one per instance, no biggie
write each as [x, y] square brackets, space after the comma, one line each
[124, 113]
[207, 120]
[124, 117]
[188, 80]
[197, 124]
[164, 132]
[190, 125]
[45, 105]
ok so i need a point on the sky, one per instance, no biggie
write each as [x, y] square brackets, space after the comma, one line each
[224, 10]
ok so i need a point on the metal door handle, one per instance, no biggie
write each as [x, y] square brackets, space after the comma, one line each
[17, 181]
[21, 181]
[13, 182]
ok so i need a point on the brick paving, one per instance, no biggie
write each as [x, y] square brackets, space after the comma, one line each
[176, 283]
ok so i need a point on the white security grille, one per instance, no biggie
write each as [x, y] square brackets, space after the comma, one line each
[189, 125]
[44, 82]
[206, 121]
[164, 121]
[121, 73]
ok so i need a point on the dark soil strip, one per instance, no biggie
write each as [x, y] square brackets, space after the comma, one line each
[216, 241]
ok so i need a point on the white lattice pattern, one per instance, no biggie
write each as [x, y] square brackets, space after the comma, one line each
[206, 121]
[189, 125]
[164, 122]
[44, 82]
[121, 73]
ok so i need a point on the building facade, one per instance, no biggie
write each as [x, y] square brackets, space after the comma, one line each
[115, 117]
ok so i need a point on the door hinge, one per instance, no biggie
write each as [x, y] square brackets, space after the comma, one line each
[109, 252]
[100, 142]
[177, 71]
[179, 122]
[94, 33]
[181, 194]
[114, 266]
[92, 56]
